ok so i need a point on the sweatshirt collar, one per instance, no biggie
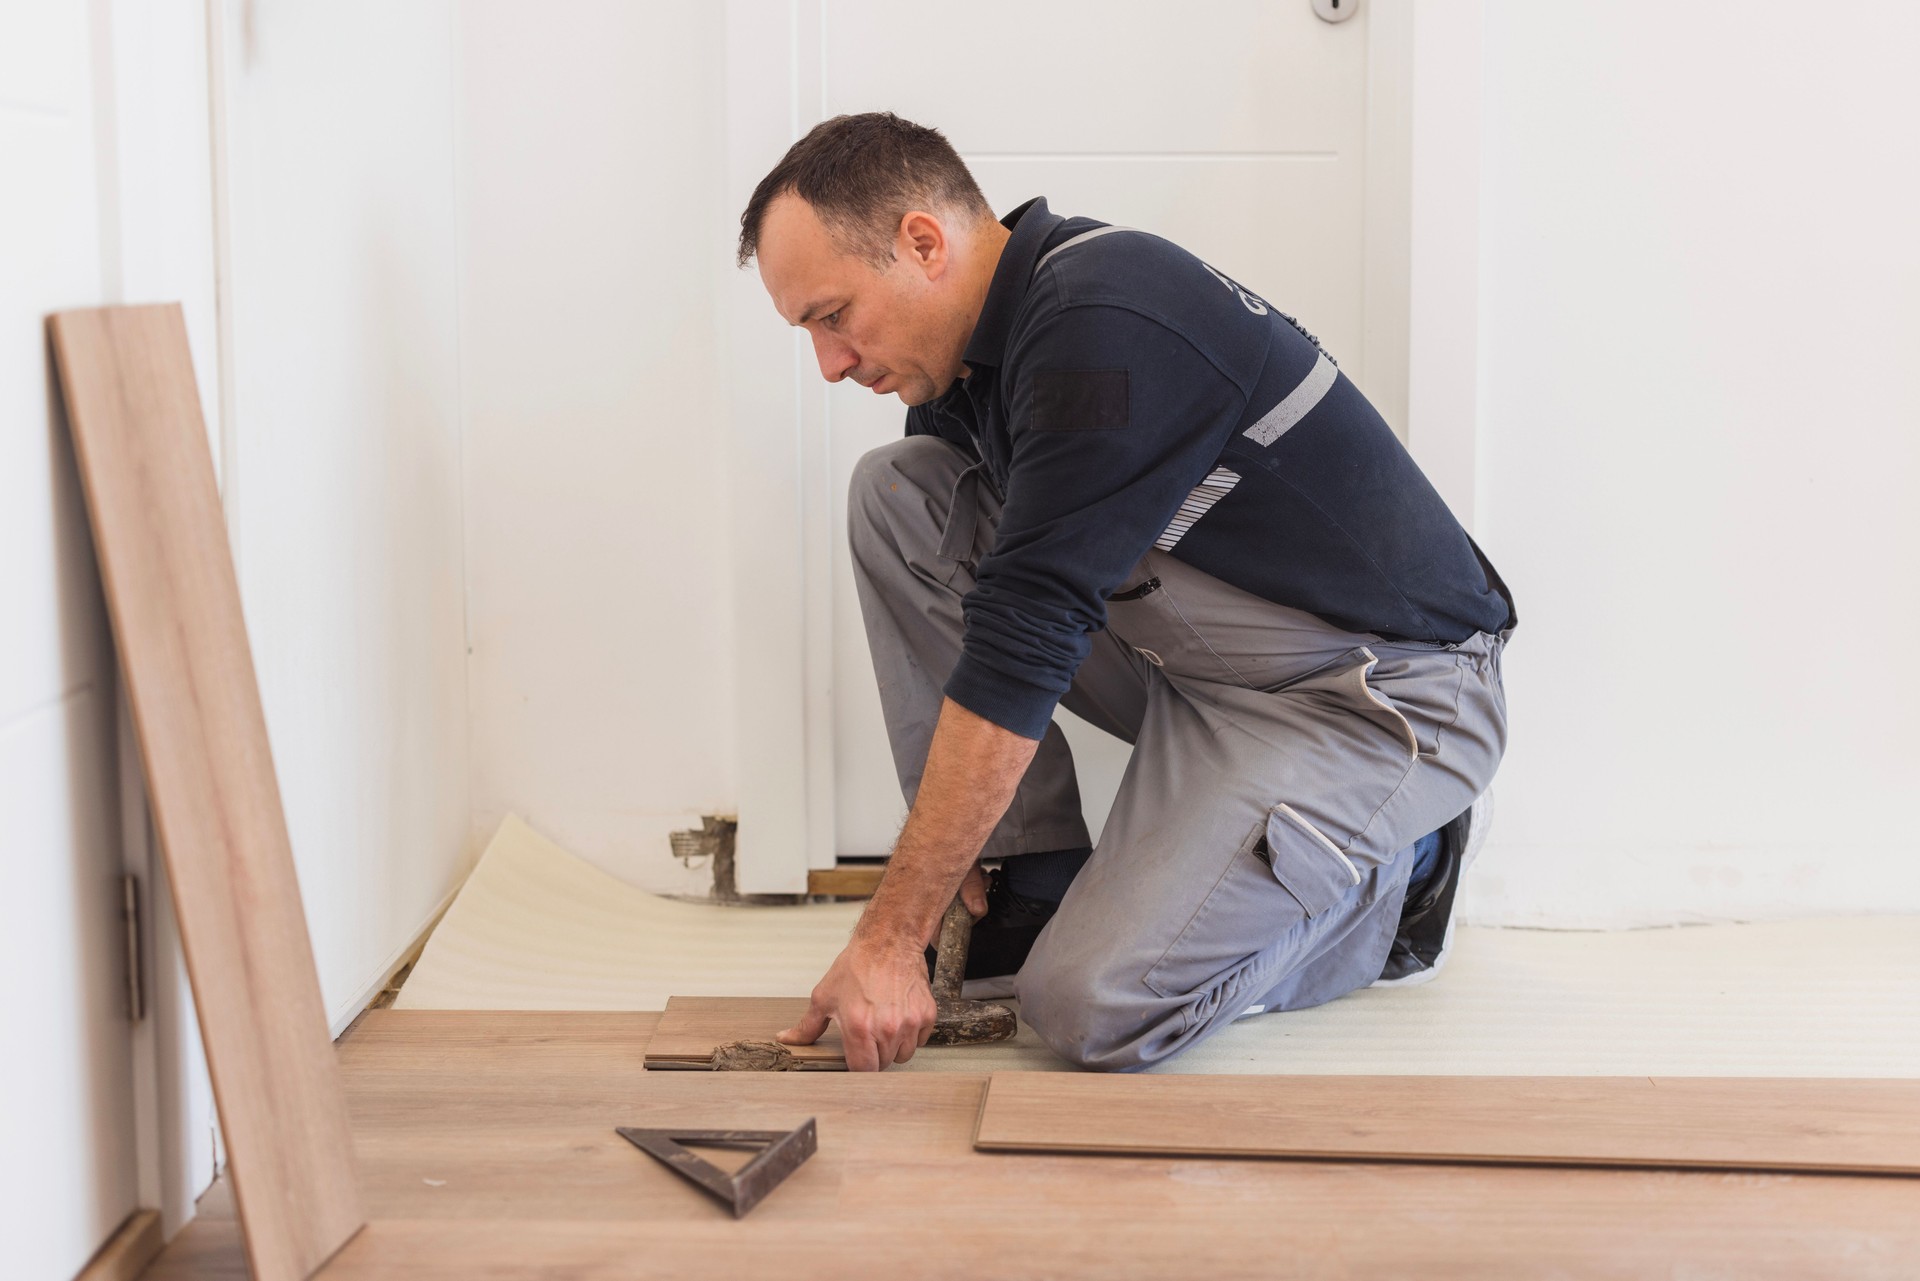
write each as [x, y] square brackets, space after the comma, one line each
[1030, 224]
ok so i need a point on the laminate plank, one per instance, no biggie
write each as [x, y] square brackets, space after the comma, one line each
[692, 1027]
[1571, 1232]
[1740, 1123]
[161, 539]
[128, 1251]
[848, 880]
[463, 1186]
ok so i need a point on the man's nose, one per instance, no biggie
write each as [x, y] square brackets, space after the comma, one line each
[835, 357]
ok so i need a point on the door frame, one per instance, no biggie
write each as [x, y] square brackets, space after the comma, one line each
[1420, 349]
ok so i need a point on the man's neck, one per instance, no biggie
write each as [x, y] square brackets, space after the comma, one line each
[993, 243]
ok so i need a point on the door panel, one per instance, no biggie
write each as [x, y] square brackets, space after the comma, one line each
[1236, 130]
[1137, 76]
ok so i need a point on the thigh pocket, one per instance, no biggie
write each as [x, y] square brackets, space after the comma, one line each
[1306, 861]
[1232, 935]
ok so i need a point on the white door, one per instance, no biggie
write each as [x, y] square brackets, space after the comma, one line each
[1249, 131]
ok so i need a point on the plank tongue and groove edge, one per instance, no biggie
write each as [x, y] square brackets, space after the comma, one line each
[692, 1027]
[1859, 1126]
[174, 600]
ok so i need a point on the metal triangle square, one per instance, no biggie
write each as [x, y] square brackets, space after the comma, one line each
[781, 1153]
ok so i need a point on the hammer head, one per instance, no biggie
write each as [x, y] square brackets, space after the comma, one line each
[963, 1022]
[960, 1021]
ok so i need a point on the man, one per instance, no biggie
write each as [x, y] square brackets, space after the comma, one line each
[1131, 486]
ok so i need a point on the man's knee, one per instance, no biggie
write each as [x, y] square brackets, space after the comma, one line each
[925, 463]
[1085, 1013]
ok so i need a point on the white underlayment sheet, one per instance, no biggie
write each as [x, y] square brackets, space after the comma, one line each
[536, 928]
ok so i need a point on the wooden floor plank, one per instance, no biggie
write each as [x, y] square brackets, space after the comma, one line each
[496, 1158]
[693, 1026]
[160, 536]
[128, 1251]
[1742, 1123]
[846, 880]
[1426, 1230]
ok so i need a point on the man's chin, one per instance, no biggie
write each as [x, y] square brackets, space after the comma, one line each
[922, 391]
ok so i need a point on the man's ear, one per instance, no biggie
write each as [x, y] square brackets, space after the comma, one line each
[923, 242]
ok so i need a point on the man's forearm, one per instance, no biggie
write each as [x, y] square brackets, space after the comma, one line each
[973, 769]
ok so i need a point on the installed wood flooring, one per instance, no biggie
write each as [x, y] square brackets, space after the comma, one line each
[486, 1147]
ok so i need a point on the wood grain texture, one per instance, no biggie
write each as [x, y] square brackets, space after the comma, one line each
[1740, 1123]
[847, 880]
[128, 1251]
[160, 536]
[694, 1026]
[487, 1150]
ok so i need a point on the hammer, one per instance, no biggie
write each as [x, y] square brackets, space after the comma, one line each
[960, 1021]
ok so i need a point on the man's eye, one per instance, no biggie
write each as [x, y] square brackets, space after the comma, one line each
[832, 318]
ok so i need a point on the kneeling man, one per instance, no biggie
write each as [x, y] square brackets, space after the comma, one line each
[1130, 485]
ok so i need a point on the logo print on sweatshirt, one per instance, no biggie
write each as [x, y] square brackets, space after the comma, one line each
[1247, 300]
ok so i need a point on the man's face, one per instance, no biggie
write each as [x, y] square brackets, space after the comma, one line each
[898, 331]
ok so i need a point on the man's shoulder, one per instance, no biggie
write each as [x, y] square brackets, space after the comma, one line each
[1093, 262]
[1109, 276]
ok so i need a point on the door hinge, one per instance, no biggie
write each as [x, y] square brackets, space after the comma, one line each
[132, 931]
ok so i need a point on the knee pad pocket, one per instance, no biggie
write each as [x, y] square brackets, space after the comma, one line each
[1234, 934]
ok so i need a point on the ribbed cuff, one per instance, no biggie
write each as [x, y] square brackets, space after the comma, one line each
[1009, 702]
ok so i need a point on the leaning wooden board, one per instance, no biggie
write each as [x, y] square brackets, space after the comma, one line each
[1730, 1123]
[161, 540]
[692, 1027]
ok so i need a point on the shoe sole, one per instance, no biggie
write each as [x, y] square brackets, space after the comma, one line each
[1479, 819]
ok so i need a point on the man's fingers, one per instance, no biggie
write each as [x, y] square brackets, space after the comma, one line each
[858, 1045]
[973, 891]
[807, 1030]
[871, 1047]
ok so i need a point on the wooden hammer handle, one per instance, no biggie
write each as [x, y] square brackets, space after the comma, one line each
[950, 951]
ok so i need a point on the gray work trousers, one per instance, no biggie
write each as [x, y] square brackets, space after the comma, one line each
[1279, 765]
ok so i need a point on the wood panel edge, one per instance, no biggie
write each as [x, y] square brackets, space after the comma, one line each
[1683, 1165]
[126, 1254]
[980, 1113]
[846, 880]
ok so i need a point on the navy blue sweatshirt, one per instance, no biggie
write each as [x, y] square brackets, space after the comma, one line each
[1125, 395]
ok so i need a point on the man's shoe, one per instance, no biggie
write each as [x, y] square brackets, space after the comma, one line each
[1425, 936]
[1002, 938]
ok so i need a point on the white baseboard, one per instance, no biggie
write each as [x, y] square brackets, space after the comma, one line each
[342, 1016]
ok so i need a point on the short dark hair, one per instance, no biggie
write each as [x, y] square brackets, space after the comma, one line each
[862, 174]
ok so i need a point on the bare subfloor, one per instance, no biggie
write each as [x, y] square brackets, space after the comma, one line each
[487, 1149]
[536, 928]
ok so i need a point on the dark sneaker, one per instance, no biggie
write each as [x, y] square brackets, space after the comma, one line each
[1002, 938]
[1425, 936]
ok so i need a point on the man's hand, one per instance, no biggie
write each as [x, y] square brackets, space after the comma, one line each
[877, 991]
[973, 892]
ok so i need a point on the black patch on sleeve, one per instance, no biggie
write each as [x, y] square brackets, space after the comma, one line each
[1079, 399]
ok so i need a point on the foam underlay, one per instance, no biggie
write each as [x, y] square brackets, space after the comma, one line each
[536, 928]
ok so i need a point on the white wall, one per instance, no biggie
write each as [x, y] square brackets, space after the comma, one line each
[68, 1173]
[157, 205]
[1698, 454]
[594, 244]
[1652, 216]
[344, 456]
